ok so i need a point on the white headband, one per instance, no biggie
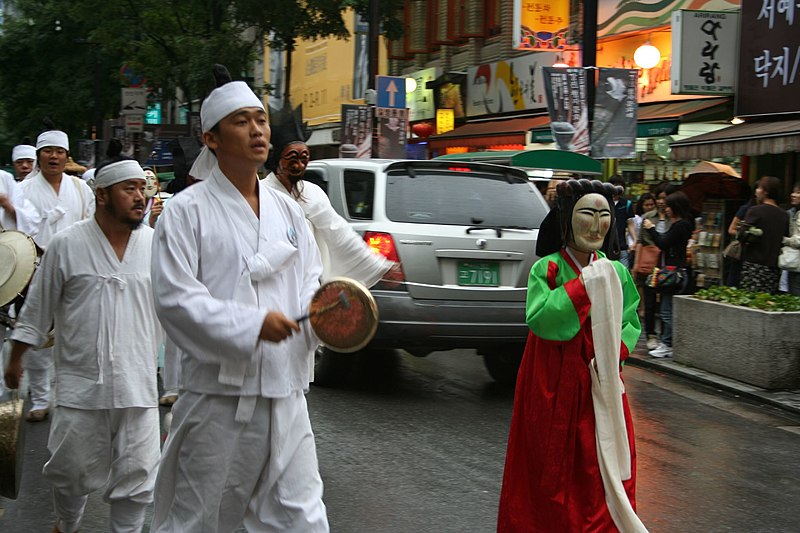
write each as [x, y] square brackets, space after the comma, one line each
[53, 138]
[117, 172]
[222, 101]
[23, 151]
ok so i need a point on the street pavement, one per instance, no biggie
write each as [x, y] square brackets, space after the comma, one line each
[786, 400]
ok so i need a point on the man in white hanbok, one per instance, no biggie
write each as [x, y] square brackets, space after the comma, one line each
[94, 283]
[16, 212]
[60, 201]
[233, 262]
[23, 157]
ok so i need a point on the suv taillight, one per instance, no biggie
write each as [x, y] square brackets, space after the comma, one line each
[383, 244]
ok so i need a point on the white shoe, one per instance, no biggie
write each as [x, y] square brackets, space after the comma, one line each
[662, 351]
[652, 342]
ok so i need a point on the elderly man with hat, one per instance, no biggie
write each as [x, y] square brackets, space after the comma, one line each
[105, 428]
[23, 156]
[60, 201]
[240, 449]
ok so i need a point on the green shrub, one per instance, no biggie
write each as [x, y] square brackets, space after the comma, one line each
[756, 300]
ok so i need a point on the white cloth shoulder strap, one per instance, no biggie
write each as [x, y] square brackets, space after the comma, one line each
[604, 289]
[77, 182]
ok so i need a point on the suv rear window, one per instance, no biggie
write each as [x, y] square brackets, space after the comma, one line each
[462, 198]
[359, 191]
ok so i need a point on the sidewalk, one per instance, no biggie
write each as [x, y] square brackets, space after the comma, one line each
[786, 400]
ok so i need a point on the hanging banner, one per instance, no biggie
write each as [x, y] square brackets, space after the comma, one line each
[704, 45]
[357, 129]
[615, 109]
[565, 91]
[540, 24]
[392, 128]
[509, 85]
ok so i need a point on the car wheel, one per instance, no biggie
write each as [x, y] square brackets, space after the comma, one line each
[504, 364]
[332, 369]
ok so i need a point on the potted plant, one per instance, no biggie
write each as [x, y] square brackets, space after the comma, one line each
[746, 336]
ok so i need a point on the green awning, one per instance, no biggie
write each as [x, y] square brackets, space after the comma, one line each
[557, 160]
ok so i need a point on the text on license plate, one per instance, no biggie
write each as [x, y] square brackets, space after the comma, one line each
[479, 273]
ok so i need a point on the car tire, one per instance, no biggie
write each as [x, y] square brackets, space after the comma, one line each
[332, 369]
[503, 364]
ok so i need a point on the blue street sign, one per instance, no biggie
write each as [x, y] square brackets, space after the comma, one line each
[391, 92]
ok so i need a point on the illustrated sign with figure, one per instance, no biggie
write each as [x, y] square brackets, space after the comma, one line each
[357, 128]
[508, 85]
[566, 102]
[541, 24]
[704, 52]
[613, 132]
[769, 58]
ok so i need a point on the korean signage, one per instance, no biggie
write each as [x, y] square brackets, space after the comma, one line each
[769, 58]
[510, 85]
[613, 132]
[566, 103]
[445, 121]
[421, 102]
[704, 52]
[133, 101]
[357, 128]
[541, 24]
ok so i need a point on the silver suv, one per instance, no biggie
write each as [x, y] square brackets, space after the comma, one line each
[465, 236]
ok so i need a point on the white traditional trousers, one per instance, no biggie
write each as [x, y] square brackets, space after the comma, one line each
[217, 474]
[117, 449]
[37, 363]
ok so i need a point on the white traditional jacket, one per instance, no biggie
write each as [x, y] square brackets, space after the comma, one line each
[74, 202]
[218, 269]
[106, 331]
[27, 218]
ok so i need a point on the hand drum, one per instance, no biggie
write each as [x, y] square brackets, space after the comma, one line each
[343, 314]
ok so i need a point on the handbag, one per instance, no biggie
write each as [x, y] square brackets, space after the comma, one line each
[668, 279]
[646, 259]
[733, 250]
[789, 259]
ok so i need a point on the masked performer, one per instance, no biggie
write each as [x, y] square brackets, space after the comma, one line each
[571, 463]
[343, 251]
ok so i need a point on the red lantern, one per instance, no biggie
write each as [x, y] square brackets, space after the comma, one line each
[422, 129]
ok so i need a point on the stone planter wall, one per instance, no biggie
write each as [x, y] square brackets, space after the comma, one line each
[748, 345]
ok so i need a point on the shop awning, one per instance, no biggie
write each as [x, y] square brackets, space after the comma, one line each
[488, 132]
[757, 138]
[658, 120]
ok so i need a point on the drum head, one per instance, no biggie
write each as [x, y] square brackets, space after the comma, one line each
[344, 315]
[12, 447]
[18, 260]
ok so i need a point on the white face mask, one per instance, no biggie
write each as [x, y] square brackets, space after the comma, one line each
[151, 184]
[591, 219]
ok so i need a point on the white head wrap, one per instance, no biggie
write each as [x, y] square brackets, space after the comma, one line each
[53, 138]
[88, 175]
[222, 101]
[23, 151]
[114, 173]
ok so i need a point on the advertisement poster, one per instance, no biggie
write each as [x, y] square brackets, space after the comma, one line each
[565, 89]
[509, 85]
[541, 24]
[392, 128]
[614, 126]
[357, 129]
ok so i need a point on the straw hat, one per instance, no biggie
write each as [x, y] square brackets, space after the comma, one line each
[17, 263]
[74, 169]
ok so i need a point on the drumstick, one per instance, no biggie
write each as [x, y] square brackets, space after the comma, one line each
[343, 300]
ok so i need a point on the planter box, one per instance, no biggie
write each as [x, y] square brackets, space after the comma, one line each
[748, 345]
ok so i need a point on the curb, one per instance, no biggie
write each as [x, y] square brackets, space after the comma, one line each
[786, 400]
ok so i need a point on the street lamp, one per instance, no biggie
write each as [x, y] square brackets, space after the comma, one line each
[647, 56]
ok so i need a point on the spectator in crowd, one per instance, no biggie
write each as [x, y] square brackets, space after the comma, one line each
[673, 244]
[765, 226]
[624, 216]
[794, 236]
[661, 222]
[733, 274]
[645, 204]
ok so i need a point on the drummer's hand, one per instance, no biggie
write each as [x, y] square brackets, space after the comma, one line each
[13, 374]
[277, 326]
[6, 204]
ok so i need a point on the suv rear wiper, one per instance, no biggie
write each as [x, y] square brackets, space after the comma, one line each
[497, 229]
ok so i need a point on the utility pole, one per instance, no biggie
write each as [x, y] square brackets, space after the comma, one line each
[373, 42]
[589, 55]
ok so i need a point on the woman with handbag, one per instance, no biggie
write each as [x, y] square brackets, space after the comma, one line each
[648, 256]
[767, 224]
[793, 241]
[673, 244]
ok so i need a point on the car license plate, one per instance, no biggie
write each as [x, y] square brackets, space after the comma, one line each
[479, 273]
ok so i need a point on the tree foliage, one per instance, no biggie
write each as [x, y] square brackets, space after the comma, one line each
[70, 68]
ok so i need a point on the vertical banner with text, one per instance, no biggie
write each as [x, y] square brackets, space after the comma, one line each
[392, 128]
[357, 129]
[565, 90]
[615, 109]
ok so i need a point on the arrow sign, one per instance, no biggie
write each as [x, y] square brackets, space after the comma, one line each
[391, 92]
